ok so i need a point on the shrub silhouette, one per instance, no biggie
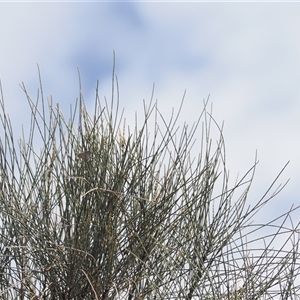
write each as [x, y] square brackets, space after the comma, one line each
[106, 212]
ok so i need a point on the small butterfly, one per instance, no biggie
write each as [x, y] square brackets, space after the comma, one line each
[84, 155]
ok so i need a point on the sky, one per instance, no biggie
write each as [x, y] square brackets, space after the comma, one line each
[243, 56]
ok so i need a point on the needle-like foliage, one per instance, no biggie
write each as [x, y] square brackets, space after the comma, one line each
[101, 211]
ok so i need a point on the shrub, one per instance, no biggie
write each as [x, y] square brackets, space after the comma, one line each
[106, 212]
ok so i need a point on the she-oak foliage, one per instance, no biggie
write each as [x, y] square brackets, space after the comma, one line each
[106, 212]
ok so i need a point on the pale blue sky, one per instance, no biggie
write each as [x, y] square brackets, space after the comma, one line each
[244, 55]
